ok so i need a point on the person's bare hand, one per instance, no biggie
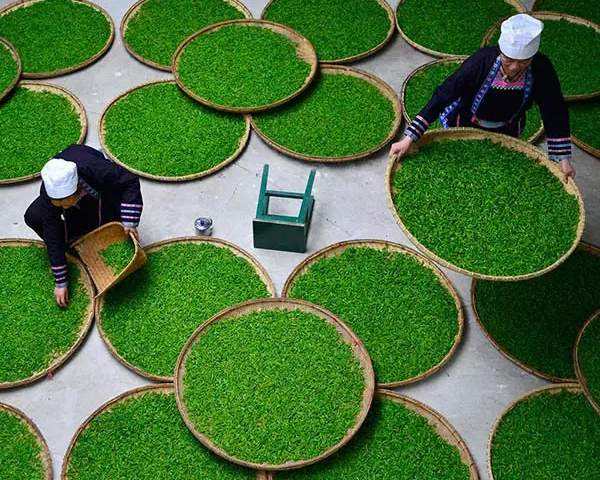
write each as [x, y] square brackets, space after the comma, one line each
[133, 231]
[567, 169]
[61, 294]
[399, 149]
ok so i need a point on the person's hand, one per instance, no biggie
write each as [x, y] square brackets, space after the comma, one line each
[61, 294]
[133, 231]
[400, 148]
[567, 169]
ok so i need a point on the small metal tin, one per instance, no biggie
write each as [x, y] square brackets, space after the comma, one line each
[203, 226]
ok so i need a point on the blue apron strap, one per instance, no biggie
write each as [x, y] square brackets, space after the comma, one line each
[448, 111]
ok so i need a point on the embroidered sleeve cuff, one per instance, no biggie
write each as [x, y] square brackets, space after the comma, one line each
[60, 273]
[130, 214]
[417, 128]
[559, 149]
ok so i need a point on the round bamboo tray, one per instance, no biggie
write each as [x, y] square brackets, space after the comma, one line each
[442, 427]
[338, 248]
[77, 106]
[449, 59]
[358, 349]
[164, 389]
[13, 52]
[258, 268]
[531, 151]
[552, 389]
[580, 375]
[304, 50]
[584, 246]
[359, 56]
[535, 7]
[137, 7]
[56, 73]
[489, 35]
[514, 3]
[45, 457]
[85, 326]
[383, 88]
[161, 178]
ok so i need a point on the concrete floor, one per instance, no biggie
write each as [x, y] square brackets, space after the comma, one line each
[351, 203]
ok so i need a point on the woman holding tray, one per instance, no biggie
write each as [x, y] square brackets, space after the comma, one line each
[494, 88]
[81, 190]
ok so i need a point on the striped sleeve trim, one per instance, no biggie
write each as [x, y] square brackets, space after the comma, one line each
[130, 214]
[559, 149]
[417, 128]
[60, 275]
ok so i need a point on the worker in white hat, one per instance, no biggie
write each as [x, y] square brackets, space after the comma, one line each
[80, 191]
[493, 89]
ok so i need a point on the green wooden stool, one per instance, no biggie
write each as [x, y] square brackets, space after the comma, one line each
[283, 232]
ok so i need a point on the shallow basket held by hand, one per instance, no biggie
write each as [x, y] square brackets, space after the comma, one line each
[90, 246]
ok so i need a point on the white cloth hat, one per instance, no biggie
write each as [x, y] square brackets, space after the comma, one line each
[60, 178]
[520, 36]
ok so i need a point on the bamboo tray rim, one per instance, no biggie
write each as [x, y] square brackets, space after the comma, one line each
[15, 55]
[304, 50]
[358, 56]
[541, 15]
[44, 454]
[84, 328]
[338, 248]
[385, 90]
[243, 142]
[448, 59]
[359, 353]
[137, 7]
[551, 389]
[62, 71]
[217, 242]
[75, 104]
[578, 370]
[163, 389]
[535, 154]
[519, 8]
[538, 373]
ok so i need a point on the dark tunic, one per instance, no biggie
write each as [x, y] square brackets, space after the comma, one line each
[474, 96]
[111, 194]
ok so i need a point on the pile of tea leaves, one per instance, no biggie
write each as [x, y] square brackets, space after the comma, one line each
[52, 35]
[150, 316]
[338, 30]
[549, 435]
[242, 66]
[35, 126]
[142, 436]
[485, 208]
[453, 27]
[158, 130]
[397, 306]
[339, 116]
[22, 454]
[537, 321]
[9, 69]
[580, 8]
[585, 122]
[118, 255]
[34, 330]
[272, 386]
[394, 443]
[158, 27]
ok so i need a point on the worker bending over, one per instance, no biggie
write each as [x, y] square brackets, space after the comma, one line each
[81, 190]
[494, 88]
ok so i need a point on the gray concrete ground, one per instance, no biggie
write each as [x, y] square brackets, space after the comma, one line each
[351, 203]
